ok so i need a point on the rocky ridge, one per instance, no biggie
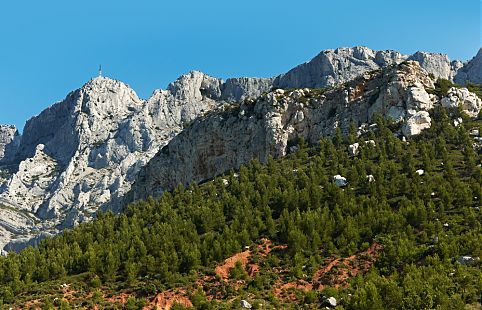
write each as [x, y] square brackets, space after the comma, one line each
[265, 127]
[85, 152]
[471, 71]
[333, 67]
[9, 141]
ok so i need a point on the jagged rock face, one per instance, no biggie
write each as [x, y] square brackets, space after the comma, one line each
[462, 97]
[9, 142]
[333, 67]
[224, 141]
[437, 64]
[471, 71]
[238, 89]
[85, 151]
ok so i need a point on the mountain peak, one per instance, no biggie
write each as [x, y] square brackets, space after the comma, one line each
[471, 71]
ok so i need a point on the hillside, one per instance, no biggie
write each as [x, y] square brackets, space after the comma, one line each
[85, 152]
[388, 224]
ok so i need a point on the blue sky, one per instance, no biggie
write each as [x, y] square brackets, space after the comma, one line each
[51, 47]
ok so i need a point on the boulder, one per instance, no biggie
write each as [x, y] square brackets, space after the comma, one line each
[245, 304]
[339, 180]
[353, 149]
[416, 123]
[467, 260]
[330, 302]
[458, 121]
[469, 102]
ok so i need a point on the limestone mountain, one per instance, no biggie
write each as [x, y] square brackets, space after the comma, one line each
[333, 67]
[262, 128]
[85, 152]
[471, 71]
[9, 141]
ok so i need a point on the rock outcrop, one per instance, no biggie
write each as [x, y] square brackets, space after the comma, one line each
[333, 67]
[437, 64]
[263, 128]
[462, 97]
[471, 71]
[9, 142]
[86, 151]
[83, 153]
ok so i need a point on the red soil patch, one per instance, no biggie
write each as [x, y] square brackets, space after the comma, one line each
[346, 268]
[358, 92]
[335, 273]
[223, 270]
[165, 300]
[34, 304]
[121, 298]
[253, 269]
[266, 247]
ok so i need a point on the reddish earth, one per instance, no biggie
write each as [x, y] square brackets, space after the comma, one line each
[336, 273]
[165, 300]
[263, 250]
[223, 270]
[357, 92]
[121, 298]
[266, 247]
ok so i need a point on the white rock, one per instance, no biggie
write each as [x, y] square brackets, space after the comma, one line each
[420, 172]
[353, 149]
[299, 117]
[339, 180]
[245, 304]
[85, 152]
[471, 71]
[415, 124]
[9, 142]
[474, 132]
[467, 260]
[331, 301]
[470, 103]
[419, 99]
[458, 121]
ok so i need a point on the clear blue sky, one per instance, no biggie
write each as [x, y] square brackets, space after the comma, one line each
[51, 47]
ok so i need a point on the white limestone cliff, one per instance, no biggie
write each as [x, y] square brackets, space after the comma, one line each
[471, 71]
[333, 67]
[84, 153]
[9, 141]
[225, 140]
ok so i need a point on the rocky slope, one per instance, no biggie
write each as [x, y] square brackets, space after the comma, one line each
[471, 71]
[333, 67]
[85, 152]
[9, 141]
[265, 127]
